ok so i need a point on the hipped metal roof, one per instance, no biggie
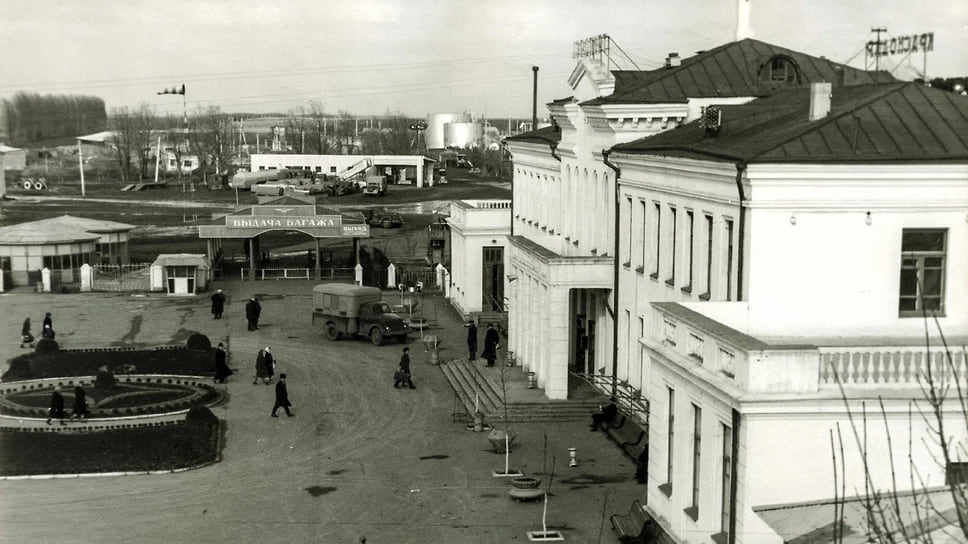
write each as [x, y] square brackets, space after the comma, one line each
[874, 123]
[730, 70]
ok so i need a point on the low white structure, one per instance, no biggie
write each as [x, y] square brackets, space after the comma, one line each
[478, 234]
[179, 274]
[415, 169]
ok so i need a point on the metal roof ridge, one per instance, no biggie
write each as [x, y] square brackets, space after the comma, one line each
[829, 118]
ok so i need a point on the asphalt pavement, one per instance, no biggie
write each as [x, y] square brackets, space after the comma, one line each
[359, 459]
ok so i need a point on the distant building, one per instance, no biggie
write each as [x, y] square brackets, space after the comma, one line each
[61, 244]
[478, 233]
[13, 158]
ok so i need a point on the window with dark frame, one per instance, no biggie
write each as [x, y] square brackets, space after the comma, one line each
[922, 272]
[727, 479]
[656, 238]
[644, 238]
[696, 459]
[672, 273]
[670, 441]
[729, 259]
[709, 257]
[628, 247]
[690, 235]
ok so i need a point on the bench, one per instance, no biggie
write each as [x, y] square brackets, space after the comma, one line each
[634, 441]
[632, 527]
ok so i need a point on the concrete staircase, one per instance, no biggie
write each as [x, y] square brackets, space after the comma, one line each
[470, 379]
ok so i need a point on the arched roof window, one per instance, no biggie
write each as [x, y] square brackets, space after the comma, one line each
[779, 71]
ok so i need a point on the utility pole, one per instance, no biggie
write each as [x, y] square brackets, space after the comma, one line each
[877, 47]
[534, 99]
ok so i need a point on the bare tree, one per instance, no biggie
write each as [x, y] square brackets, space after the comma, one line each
[912, 509]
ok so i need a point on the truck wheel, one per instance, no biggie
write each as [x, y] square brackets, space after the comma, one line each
[376, 336]
[333, 333]
[402, 339]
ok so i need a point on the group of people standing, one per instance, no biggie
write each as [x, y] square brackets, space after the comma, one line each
[492, 341]
[253, 310]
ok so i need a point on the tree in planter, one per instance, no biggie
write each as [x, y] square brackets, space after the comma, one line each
[502, 440]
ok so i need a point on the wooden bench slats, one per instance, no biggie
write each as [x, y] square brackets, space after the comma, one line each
[631, 527]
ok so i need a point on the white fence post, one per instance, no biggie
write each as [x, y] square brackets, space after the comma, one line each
[45, 279]
[87, 277]
[446, 283]
[391, 276]
[358, 274]
[439, 273]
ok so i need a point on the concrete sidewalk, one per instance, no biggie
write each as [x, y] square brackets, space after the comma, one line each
[358, 459]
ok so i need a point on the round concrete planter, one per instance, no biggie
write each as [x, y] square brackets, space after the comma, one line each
[496, 438]
[526, 482]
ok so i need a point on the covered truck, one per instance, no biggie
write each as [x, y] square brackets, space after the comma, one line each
[356, 310]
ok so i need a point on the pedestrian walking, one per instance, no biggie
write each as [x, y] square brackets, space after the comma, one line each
[218, 304]
[252, 312]
[282, 397]
[56, 406]
[80, 410]
[270, 363]
[260, 368]
[403, 377]
[222, 370]
[48, 327]
[471, 340]
[491, 342]
[25, 336]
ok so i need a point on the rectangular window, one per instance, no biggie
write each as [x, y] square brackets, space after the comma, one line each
[656, 238]
[627, 212]
[729, 259]
[922, 272]
[672, 257]
[671, 436]
[696, 451]
[690, 236]
[642, 236]
[709, 257]
[727, 478]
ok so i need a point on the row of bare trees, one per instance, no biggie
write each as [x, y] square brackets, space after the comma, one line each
[31, 117]
[209, 136]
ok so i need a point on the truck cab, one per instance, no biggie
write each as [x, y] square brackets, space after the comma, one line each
[356, 311]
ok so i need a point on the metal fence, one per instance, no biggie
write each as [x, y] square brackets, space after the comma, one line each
[298, 274]
[121, 277]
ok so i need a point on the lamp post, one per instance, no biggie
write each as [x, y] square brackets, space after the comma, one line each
[419, 127]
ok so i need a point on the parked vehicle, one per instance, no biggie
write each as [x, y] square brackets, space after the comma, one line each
[383, 218]
[246, 180]
[356, 310]
[375, 186]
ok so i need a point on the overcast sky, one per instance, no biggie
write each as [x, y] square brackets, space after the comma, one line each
[411, 56]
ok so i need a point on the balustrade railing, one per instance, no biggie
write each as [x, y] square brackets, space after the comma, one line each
[886, 367]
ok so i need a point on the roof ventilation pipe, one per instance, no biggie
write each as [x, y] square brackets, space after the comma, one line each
[673, 60]
[820, 94]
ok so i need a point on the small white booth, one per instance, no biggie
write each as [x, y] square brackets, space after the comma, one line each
[180, 274]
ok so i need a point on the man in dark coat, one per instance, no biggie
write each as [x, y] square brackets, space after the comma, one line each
[56, 406]
[491, 342]
[282, 397]
[222, 370]
[402, 377]
[605, 415]
[252, 312]
[471, 340]
[218, 304]
[48, 327]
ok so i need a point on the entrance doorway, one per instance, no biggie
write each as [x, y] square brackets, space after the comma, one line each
[493, 280]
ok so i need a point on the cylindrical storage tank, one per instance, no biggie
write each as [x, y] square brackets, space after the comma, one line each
[435, 127]
[463, 135]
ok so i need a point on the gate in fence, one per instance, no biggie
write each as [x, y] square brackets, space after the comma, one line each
[123, 277]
